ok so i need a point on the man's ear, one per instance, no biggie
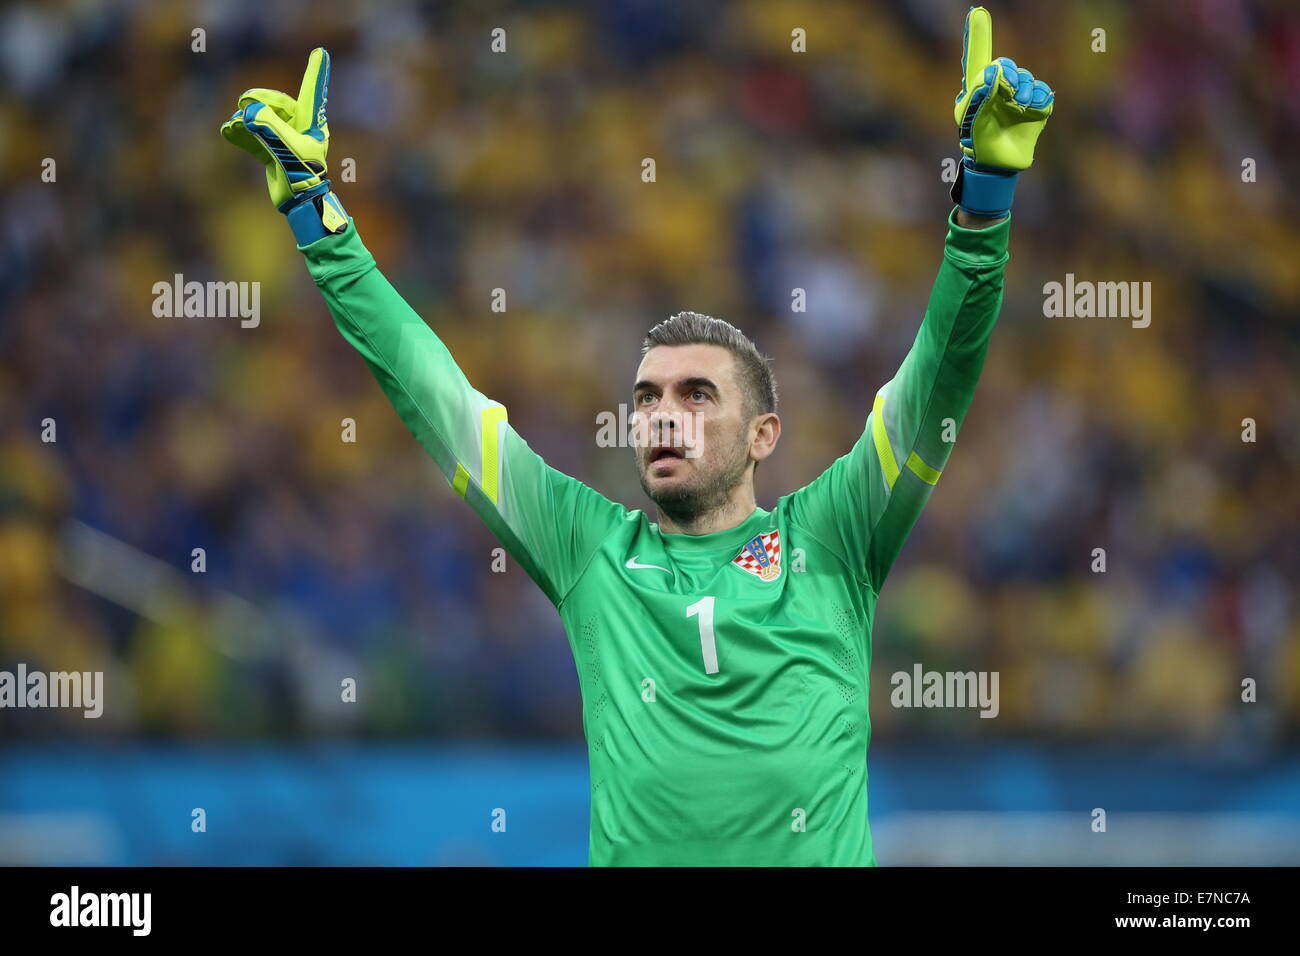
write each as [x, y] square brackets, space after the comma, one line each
[767, 431]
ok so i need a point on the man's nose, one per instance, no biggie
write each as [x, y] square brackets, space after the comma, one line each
[665, 420]
[663, 426]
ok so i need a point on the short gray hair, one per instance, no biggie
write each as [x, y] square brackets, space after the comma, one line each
[693, 328]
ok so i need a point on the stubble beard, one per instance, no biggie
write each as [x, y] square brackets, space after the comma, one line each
[687, 502]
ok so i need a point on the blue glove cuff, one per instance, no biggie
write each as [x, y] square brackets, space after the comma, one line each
[315, 214]
[983, 190]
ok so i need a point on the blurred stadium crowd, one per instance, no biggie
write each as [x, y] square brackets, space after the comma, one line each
[521, 170]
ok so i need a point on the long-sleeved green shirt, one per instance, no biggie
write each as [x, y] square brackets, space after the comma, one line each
[724, 676]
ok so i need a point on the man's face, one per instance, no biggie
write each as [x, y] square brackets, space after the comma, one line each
[692, 434]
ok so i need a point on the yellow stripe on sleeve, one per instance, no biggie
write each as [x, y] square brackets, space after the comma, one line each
[884, 451]
[923, 471]
[460, 483]
[493, 416]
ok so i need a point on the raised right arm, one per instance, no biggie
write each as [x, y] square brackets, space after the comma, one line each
[550, 523]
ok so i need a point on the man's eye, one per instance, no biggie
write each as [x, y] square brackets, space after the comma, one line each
[699, 396]
[646, 398]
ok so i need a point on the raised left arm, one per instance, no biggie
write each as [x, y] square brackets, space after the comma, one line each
[866, 503]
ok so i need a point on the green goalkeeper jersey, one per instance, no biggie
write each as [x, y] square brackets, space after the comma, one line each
[724, 676]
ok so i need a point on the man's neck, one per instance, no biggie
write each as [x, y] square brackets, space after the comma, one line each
[731, 515]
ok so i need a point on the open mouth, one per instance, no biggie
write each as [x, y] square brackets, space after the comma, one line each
[665, 453]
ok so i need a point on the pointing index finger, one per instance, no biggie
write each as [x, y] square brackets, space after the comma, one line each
[977, 46]
[314, 91]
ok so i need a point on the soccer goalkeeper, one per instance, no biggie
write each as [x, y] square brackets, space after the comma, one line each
[724, 692]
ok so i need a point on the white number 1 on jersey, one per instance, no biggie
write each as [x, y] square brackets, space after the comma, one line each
[704, 608]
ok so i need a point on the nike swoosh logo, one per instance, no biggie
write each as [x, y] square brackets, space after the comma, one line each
[633, 566]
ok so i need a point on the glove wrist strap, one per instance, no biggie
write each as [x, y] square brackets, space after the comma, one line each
[984, 191]
[315, 214]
